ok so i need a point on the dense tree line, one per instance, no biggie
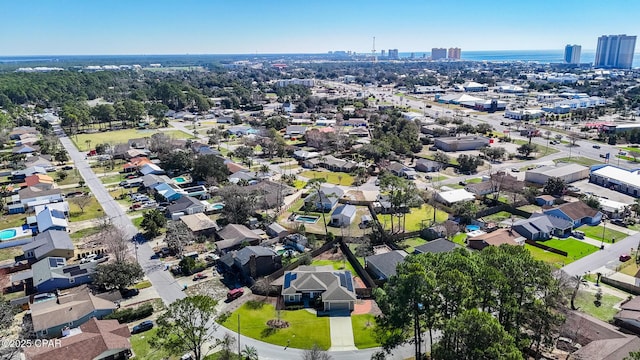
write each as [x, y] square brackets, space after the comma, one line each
[493, 304]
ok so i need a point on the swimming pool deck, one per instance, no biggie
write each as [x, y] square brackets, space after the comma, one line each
[22, 237]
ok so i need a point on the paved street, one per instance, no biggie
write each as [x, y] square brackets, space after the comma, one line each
[603, 258]
[168, 288]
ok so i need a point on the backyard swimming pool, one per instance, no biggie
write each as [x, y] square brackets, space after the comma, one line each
[217, 206]
[7, 234]
[179, 179]
[307, 219]
[472, 228]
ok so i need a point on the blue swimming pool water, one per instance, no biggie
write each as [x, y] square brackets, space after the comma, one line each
[180, 180]
[473, 227]
[307, 219]
[7, 234]
[217, 206]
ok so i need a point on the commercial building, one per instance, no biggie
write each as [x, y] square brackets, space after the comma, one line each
[438, 53]
[526, 114]
[393, 54]
[453, 196]
[615, 51]
[615, 178]
[572, 54]
[568, 172]
[461, 143]
[454, 53]
[287, 82]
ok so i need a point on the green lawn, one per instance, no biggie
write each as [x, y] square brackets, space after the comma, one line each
[595, 232]
[92, 211]
[497, 217]
[473, 181]
[604, 312]
[337, 265]
[415, 217]
[85, 232]
[460, 239]
[144, 350]
[110, 179]
[120, 136]
[575, 249]
[137, 221]
[299, 184]
[579, 160]
[363, 331]
[73, 177]
[305, 329]
[411, 243]
[338, 178]
[10, 253]
[13, 220]
[548, 257]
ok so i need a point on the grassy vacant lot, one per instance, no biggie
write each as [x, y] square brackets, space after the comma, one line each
[363, 331]
[530, 208]
[595, 232]
[85, 232]
[575, 249]
[92, 211]
[73, 177]
[120, 136]
[579, 160]
[111, 179]
[411, 243]
[337, 265]
[550, 258]
[338, 178]
[604, 312]
[415, 217]
[497, 217]
[305, 329]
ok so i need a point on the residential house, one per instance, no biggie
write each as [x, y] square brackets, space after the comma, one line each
[297, 241]
[29, 197]
[425, 165]
[401, 170]
[542, 227]
[50, 219]
[277, 230]
[21, 130]
[436, 246]
[169, 192]
[295, 130]
[233, 167]
[68, 310]
[354, 122]
[357, 132]
[545, 200]
[53, 273]
[343, 215]
[20, 175]
[25, 149]
[95, 339]
[577, 212]
[242, 176]
[453, 196]
[239, 130]
[185, 205]
[234, 235]
[43, 161]
[52, 243]
[305, 155]
[200, 224]
[251, 262]
[325, 199]
[335, 288]
[270, 194]
[41, 181]
[139, 143]
[629, 315]
[495, 238]
[151, 169]
[383, 266]
[151, 180]
[481, 189]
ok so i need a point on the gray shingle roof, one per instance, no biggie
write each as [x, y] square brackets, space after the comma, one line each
[386, 263]
[436, 246]
[48, 241]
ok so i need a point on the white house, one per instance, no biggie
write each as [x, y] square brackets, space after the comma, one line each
[454, 196]
[343, 215]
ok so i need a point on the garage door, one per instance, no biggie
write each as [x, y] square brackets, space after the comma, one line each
[338, 306]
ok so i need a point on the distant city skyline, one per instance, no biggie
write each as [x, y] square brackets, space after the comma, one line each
[80, 27]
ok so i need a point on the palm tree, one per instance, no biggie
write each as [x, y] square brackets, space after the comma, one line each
[264, 169]
[88, 142]
[250, 353]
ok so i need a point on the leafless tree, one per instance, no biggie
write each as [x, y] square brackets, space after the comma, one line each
[81, 201]
[450, 229]
[7, 313]
[115, 240]
[315, 353]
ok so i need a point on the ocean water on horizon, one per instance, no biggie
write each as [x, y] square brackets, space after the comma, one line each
[540, 56]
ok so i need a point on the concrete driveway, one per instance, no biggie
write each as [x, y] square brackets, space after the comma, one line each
[341, 333]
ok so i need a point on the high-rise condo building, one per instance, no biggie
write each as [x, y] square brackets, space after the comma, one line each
[393, 54]
[572, 54]
[615, 51]
[438, 53]
[454, 53]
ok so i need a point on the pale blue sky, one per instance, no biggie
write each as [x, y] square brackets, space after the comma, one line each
[74, 27]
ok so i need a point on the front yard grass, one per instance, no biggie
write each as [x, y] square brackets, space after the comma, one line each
[363, 331]
[553, 259]
[595, 232]
[305, 329]
[415, 218]
[73, 177]
[604, 312]
[92, 211]
[337, 178]
[575, 249]
[143, 350]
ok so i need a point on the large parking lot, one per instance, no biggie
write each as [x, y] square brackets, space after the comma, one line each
[600, 191]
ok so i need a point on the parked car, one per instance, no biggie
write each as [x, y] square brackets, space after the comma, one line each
[596, 146]
[619, 222]
[234, 294]
[88, 258]
[199, 276]
[624, 257]
[129, 293]
[186, 356]
[142, 327]
[515, 170]
[67, 167]
[578, 234]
